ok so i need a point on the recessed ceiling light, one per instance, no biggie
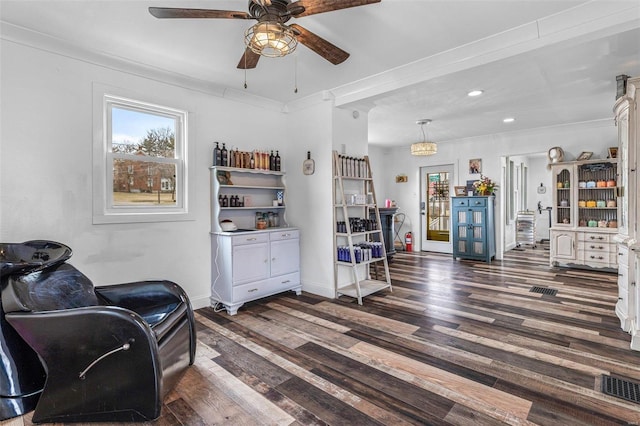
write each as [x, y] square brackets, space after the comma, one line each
[509, 120]
[475, 93]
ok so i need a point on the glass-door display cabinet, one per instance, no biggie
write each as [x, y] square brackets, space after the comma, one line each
[585, 214]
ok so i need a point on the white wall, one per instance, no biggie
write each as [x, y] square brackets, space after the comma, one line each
[593, 136]
[310, 205]
[46, 168]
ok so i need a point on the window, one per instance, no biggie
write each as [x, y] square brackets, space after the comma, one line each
[141, 154]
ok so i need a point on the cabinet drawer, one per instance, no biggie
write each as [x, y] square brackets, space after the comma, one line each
[254, 290]
[593, 236]
[258, 237]
[477, 202]
[591, 256]
[598, 247]
[258, 289]
[460, 202]
[289, 234]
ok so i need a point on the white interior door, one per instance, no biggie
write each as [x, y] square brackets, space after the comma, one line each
[436, 188]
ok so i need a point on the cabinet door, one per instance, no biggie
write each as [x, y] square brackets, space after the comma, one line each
[478, 234]
[461, 230]
[563, 182]
[563, 245]
[250, 263]
[470, 231]
[285, 257]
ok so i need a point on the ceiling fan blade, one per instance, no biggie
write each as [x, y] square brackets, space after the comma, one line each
[311, 7]
[322, 47]
[171, 12]
[249, 60]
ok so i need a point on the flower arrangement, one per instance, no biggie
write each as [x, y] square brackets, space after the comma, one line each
[485, 186]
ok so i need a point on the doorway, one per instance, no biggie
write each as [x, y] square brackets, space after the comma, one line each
[525, 180]
[435, 208]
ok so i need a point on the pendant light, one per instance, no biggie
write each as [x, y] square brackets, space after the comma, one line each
[425, 147]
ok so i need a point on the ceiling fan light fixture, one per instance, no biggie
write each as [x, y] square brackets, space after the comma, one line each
[271, 39]
[425, 147]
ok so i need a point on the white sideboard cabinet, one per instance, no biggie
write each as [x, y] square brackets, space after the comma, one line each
[250, 265]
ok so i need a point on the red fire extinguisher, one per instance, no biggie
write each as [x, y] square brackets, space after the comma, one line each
[407, 241]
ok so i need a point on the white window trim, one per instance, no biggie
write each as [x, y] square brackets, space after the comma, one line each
[103, 212]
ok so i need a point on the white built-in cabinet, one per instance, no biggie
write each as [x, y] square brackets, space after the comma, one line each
[585, 214]
[628, 247]
[250, 263]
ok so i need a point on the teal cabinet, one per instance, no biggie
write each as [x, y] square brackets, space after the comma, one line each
[474, 235]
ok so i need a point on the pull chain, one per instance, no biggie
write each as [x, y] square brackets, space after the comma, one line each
[245, 69]
[295, 72]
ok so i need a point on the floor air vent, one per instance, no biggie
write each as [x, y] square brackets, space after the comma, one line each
[544, 290]
[621, 388]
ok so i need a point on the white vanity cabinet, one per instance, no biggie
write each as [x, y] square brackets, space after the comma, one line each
[251, 265]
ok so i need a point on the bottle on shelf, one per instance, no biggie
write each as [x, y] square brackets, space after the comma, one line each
[224, 155]
[252, 162]
[272, 161]
[278, 165]
[217, 155]
[232, 158]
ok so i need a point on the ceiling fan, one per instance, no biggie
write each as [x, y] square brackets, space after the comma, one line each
[271, 36]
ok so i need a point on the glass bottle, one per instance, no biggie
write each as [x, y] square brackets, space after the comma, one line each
[224, 156]
[217, 154]
[278, 165]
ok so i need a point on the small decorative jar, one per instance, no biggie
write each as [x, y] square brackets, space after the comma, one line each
[591, 184]
[611, 183]
[567, 184]
[559, 185]
[592, 223]
[564, 203]
[591, 203]
[601, 184]
[582, 203]
[582, 222]
[613, 224]
[602, 224]
[601, 203]
[582, 184]
[611, 203]
[565, 220]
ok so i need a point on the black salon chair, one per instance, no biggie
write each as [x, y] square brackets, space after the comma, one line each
[110, 353]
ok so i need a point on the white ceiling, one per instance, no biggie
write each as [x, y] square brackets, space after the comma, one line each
[545, 63]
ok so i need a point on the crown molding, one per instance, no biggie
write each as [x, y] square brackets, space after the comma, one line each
[40, 41]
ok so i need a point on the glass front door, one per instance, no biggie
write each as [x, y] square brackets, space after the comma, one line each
[437, 217]
[436, 208]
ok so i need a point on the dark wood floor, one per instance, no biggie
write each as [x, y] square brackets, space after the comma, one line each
[456, 342]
